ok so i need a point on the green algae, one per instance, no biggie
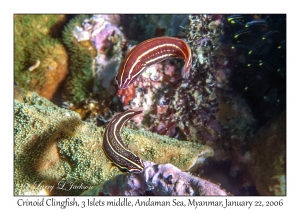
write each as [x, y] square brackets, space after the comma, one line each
[53, 147]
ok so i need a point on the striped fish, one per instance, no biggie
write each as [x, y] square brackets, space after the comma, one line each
[150, 52]
[114, 146]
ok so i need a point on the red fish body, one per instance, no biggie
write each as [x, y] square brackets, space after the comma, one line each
[150, 52]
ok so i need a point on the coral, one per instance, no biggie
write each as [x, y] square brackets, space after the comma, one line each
[205, 108]
[161, 180]
[40, 59]
[267, 165]
[237, 83]
[95, 45]
[235, 124]
[53, 146]
[176, 106]
[80, 79]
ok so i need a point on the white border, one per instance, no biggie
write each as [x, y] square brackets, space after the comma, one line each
[8, 8]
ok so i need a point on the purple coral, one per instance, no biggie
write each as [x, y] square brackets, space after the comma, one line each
[101, 39]
[162, 179]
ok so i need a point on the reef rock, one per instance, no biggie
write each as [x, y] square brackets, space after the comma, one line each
[163, 179]
[55, 153]
[267, 167]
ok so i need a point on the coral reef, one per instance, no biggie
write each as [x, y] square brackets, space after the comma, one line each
[95, 45]
[40, 59]
[162, 180]
[176, 106]
[80, 78]
[267, 165]
[207, 108]
[53, 147]
[237, 84]
[196, 109]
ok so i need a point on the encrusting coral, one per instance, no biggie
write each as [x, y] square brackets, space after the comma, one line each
[40, 59]
[267, 166]
[163, 180]
[53, 147]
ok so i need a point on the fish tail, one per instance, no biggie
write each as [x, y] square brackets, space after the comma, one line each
[185, 72]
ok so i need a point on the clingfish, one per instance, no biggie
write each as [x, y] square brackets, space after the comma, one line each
[114, 146]
[150, 52]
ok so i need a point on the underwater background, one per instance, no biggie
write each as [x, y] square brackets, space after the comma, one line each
[221, 131]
